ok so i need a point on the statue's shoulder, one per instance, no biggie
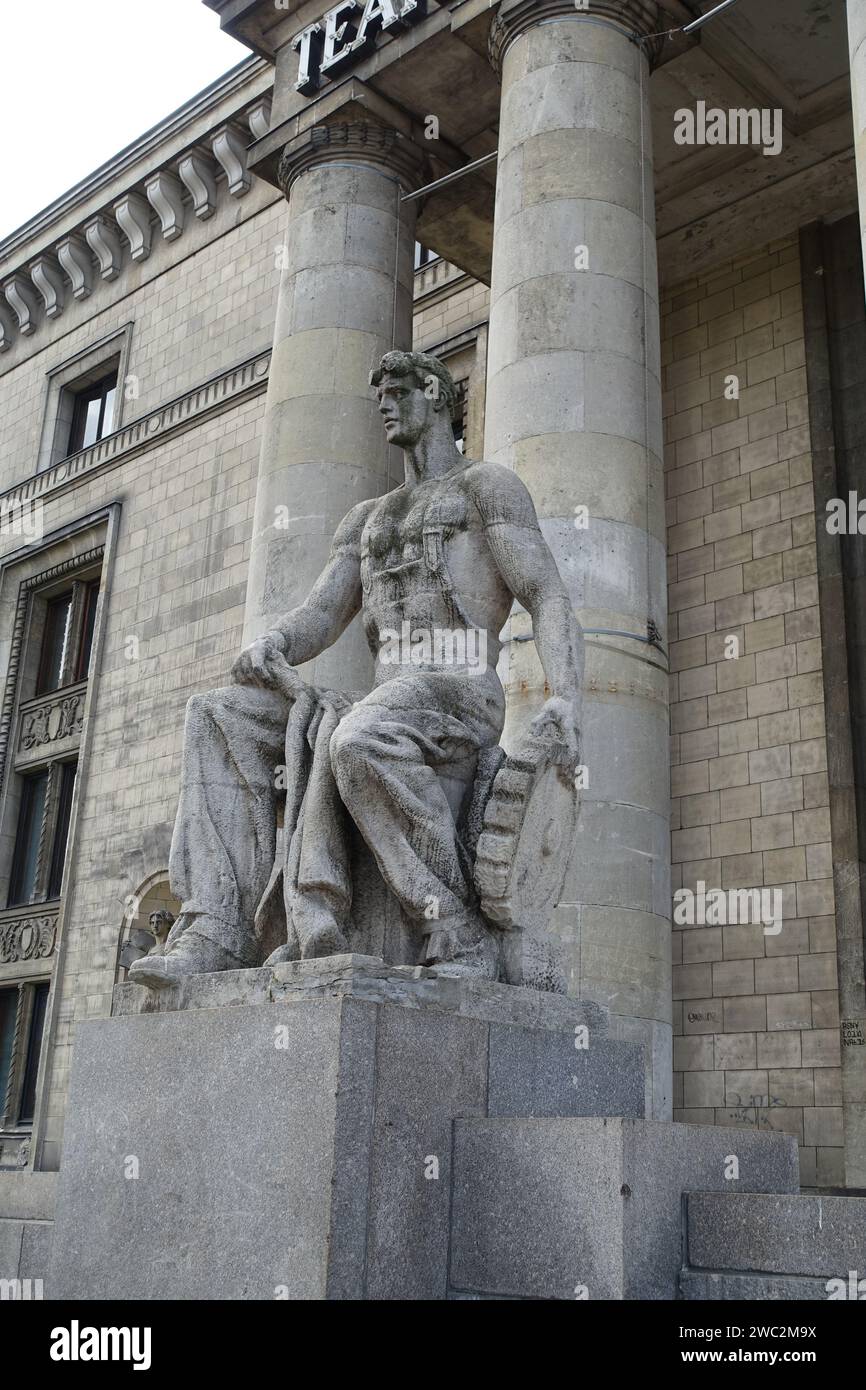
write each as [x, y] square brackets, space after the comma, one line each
[348, 533]
[499, 494]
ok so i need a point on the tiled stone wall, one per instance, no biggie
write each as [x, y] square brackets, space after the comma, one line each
[756, 1014]
[447, 303]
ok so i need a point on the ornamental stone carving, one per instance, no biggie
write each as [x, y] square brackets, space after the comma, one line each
[60, 717]
[27, 938]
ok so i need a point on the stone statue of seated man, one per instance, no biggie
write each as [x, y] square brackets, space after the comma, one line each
[433, 567]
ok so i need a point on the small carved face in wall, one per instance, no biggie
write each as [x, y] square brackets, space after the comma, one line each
[160, 924]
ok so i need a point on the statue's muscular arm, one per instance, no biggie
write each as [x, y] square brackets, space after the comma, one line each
[527, 566]
[316, 623]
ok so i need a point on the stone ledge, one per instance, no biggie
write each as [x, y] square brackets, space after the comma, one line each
[367, 977]
[228, 388]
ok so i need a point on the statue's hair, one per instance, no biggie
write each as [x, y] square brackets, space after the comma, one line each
[420, 365]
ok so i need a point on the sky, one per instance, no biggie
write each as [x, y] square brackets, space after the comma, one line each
[84, 78]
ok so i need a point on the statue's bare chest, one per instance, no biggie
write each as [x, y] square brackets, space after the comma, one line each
[406, 522]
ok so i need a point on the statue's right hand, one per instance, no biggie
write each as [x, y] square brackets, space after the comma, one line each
[253, 665]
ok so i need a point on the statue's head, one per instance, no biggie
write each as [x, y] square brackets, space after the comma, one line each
[414, 391]
[160, 923]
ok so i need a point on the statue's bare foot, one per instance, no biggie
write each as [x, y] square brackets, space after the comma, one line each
[326, 940]
[465, 950]
[191, 955]
[284, 953]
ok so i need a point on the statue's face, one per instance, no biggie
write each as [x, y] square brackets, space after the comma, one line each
[405, 408]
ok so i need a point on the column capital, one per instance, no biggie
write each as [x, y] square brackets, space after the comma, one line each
[636, 18]
[354, 141]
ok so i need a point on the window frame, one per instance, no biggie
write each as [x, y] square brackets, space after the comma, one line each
[72, 375]
[82, 399]
[26, 1060]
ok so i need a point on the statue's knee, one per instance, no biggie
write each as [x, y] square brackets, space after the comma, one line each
[347, 747]
[204, 707]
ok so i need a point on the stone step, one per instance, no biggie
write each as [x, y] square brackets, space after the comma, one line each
[708, 1286]
[816, 1237]
[590, 1208]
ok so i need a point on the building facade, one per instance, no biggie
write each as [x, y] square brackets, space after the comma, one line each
[640, 254]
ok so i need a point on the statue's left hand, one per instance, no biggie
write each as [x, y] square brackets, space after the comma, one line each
[557, 722]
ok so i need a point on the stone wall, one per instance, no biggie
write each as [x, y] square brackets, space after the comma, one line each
[756, 1014]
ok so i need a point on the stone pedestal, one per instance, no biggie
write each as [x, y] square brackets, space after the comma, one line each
[288, 1131]
[592, 1209]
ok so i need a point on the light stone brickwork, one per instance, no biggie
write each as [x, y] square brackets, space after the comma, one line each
[447, 303]
[756, 1015]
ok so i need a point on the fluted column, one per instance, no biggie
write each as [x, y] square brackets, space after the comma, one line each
[345, 298]
[574, 406]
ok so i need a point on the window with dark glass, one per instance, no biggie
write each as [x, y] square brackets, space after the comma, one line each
[89, 601]
[54, 643]
[423, 255]
[8, 1014]
[92, 413]
[27, 1104]
[25, 859]
[61, 829]
[67, 639]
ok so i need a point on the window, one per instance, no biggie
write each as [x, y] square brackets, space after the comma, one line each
[75, 379]
[423, 256]
[61, 829]
[44, 701]
[43, 830]
[457, 431]
[92, 413]
[54, 643]
[88, 624]
[22, 1013]
[25, 859]
[8, 1014]
[27, 1104]
[67, 638]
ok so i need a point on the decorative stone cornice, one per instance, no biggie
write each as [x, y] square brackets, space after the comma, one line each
[362, 142]
[133, 218]
[229, 388]
[197, 174]
[165, 195]
[102, 238]
[73, 254]
[46, 276]
[231, 152]
[106, 244]
[637, 18]
[21, 298]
